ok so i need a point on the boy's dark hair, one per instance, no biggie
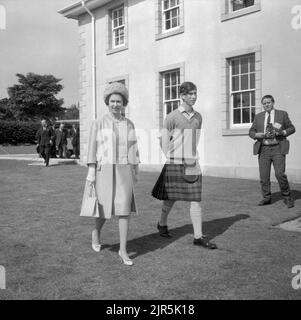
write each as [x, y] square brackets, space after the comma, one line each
[186, 87]
[268, 96]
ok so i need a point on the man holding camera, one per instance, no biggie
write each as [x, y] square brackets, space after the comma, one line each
[270, 130]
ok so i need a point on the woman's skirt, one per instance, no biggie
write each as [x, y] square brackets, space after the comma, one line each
[171, 185]
[115, 192]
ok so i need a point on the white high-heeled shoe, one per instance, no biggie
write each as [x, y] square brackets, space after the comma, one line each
[127, 262]
[96, 247]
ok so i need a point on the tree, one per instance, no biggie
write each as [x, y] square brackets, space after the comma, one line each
[34, 97]
[5, 110]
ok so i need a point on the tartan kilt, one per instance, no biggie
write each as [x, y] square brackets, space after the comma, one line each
[172, 186]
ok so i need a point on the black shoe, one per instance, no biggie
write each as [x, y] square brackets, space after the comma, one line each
[204, 243]
[290, 203]
[163, 231]
[265, 202]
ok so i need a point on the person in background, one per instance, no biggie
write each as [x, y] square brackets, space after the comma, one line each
[270, 129]
[53, 147]
[74, 133]
[61, 140]
[44, 137]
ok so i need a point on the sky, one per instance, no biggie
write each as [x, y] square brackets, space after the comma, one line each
[38, 39]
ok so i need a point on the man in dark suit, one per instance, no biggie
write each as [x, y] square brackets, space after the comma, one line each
[74, 132]
[270, 130]
[44, 141]
[61, 141]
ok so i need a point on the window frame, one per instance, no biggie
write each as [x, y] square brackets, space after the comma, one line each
[111, 47]
[170, 9]
[226, 101]
[227, 12]
[161, 31]
[159, 89]
[232, 93]
[119, 27]
[164, 87]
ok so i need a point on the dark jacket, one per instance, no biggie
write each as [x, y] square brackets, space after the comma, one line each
[44, 137]
[61, 137]
[282, 118]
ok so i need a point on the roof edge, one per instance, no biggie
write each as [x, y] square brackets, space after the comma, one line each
[73, 11]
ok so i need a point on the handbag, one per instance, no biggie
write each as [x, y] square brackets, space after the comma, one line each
[89, 204]
[192, 171]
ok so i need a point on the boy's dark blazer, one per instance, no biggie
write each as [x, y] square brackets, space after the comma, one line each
[282, 118]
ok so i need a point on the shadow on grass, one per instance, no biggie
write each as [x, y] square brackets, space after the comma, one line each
[153, 241]
[277, 196]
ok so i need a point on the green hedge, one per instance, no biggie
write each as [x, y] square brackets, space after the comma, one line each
[15, 132]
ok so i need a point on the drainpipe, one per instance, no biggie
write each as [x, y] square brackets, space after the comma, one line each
[93, 59]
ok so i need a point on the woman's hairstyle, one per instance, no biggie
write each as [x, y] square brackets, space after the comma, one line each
[268, 96]
[186, 87]
[116, 88]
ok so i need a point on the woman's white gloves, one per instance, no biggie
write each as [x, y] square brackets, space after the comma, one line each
[91, 174]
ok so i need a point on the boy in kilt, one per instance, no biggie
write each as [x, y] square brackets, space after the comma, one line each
[181, 178]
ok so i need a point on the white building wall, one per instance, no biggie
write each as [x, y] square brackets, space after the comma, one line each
[200, 49]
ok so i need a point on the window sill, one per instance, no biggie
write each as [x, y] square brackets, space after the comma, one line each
[112, 51]
[235, 132]
[169, 33]
[242, 12]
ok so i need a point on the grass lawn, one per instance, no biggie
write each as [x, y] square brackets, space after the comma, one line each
[18, 149]
[46, 246]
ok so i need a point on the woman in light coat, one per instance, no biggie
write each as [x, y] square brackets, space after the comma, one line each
[113, 166]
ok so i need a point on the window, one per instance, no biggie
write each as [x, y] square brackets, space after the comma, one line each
[235, 8]
[169, 18]
[241, 4]
[118, 27]
[117, 22]
[171, 88]
[242, 90]
[171, 14]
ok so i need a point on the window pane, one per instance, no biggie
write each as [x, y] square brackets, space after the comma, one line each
[246, 99]
[244, 65]
[167, 79]
[235, 67]
[253, 98]
[236, 116]
[167, 24]
[245, 82]
[174, 13]
[252, 81]
[174, 22]
[175, 105]
[235, 83]
[252, 63]
[246, 115]
[240, 4]
[166, 4]
[174, 93]
[237, 100]
[253, 114]
[172, 3]
[167, 94]
[168, 107]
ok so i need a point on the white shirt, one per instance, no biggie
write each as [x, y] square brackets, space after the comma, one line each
[185, 113]
[266, 119]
